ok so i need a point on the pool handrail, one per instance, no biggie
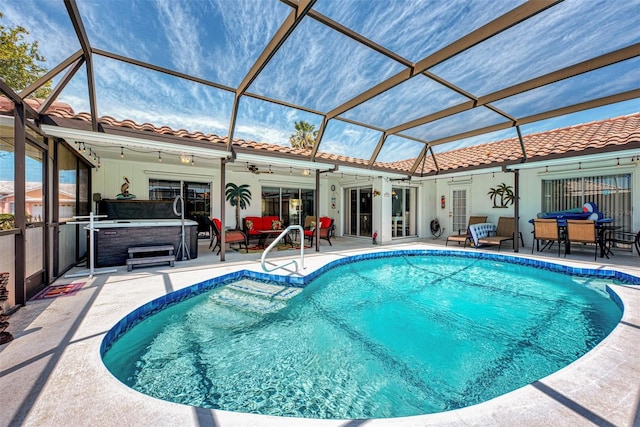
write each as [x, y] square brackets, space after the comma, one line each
[275, 242]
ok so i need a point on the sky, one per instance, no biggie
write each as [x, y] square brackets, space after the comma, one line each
[219, 40]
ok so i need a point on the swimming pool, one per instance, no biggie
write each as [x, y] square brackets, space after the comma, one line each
[358, 347]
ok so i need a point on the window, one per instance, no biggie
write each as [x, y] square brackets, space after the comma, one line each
[196, 195]
[67, 184]
[611, 193]
[7, 178]
[292, 205]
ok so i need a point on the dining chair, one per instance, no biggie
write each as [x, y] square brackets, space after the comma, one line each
[546, 230]
[582, 231]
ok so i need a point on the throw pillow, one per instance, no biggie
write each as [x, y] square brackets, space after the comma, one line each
[312, 225]
[276, 225]
[249, 224]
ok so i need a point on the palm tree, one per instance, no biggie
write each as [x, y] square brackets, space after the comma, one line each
[238, 196]
[305, 135]
[507, 196]
[493, 194]
[505, 193]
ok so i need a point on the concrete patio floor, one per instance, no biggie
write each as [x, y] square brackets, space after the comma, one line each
[51, 374]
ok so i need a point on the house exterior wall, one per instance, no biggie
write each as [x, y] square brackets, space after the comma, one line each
[109, 177]
[530, 190]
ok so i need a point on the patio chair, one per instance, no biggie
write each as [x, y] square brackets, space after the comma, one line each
[582, 231]
[324, 228]
[546, 230]
[504, 232]
[463, 235]
[617, 238]
[230, 236]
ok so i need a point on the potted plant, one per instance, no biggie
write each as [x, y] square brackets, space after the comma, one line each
[238, 196]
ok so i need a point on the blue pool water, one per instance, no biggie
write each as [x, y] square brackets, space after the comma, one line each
[385, 337]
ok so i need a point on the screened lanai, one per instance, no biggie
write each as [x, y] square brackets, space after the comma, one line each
[386, 85]
[389, 91]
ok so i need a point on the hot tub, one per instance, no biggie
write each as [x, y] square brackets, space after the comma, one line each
[114, 237]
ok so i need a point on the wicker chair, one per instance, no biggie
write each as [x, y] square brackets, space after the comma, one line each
[546, 230]
[582, 231]
[463, 235]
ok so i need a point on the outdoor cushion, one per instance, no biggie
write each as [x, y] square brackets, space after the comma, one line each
[482, 230]
[253, 224]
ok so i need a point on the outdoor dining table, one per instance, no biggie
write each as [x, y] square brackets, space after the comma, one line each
[603, 226]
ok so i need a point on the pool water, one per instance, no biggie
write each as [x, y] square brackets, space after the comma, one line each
[379, 338]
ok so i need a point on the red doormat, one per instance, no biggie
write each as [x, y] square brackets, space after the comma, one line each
[58, 291]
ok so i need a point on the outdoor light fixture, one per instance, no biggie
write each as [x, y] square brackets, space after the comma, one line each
[579, 166]
[290, 170]
[122, 152]
[184, 159]
[159, 157]
[193, 162]
[546, 169]
[306, 172]
[618, 162]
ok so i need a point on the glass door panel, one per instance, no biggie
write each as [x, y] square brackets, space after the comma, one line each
[458, 212]
[35, 212]
[358, 220]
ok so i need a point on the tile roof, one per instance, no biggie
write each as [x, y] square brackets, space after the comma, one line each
[587, 138]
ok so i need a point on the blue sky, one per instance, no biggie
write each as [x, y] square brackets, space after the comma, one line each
[219, 40]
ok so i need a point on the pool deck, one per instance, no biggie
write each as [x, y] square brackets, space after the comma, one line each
[51, 374]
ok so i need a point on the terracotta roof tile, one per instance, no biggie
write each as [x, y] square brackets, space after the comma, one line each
[618, 131]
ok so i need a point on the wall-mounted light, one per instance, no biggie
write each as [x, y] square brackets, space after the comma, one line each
[184, 159]
[306, 172]
[546, 169]
[193, 162]
[159, 157]
[618, 162]
[579, 166]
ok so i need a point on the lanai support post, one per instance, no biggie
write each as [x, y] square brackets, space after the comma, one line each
[317, 209]
[516, 210]
[223, 205]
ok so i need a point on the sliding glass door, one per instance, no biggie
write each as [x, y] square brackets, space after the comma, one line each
[359, 213]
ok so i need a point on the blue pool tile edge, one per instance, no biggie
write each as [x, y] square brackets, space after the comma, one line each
[160, 303]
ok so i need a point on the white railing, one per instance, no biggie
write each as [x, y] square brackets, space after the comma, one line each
[275, 242]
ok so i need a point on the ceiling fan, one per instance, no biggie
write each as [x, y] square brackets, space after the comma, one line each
[254, 169]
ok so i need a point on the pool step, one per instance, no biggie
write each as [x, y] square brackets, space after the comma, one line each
[255, 297]
[265, 289]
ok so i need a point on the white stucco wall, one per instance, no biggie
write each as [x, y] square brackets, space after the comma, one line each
[109, 177]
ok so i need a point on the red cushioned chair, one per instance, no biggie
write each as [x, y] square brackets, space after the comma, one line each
[230, 236]
[325, 226]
